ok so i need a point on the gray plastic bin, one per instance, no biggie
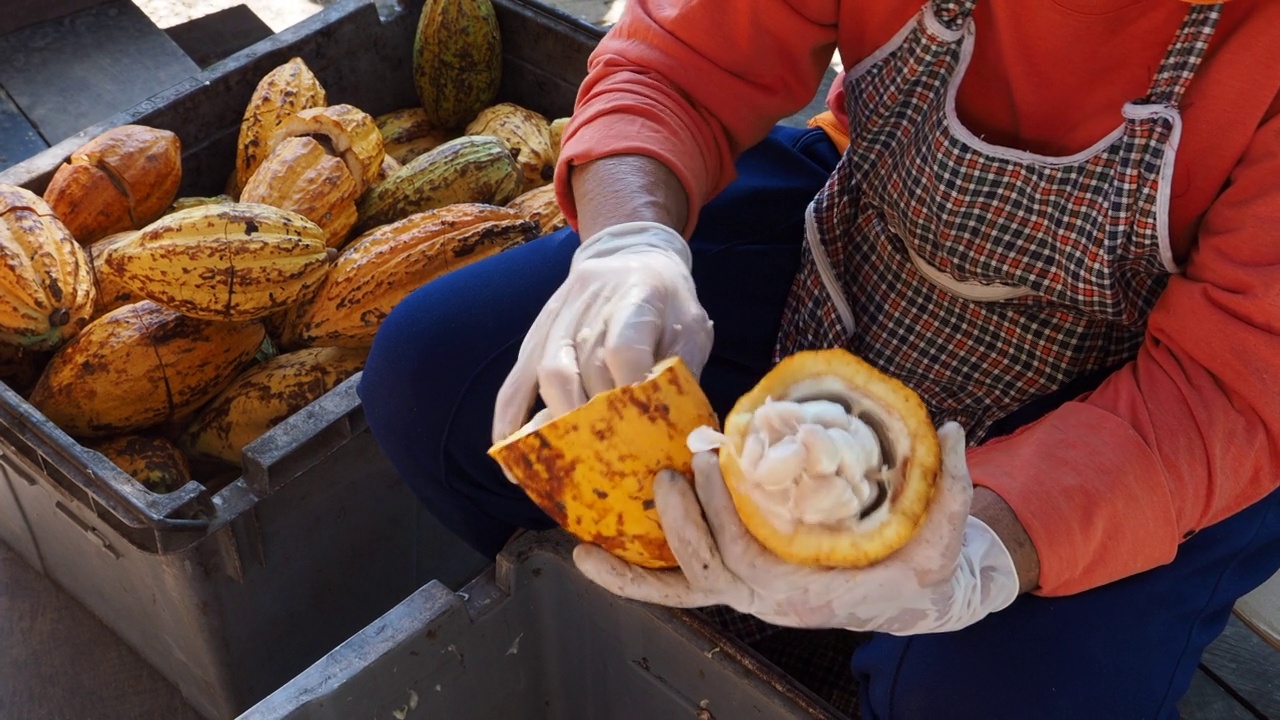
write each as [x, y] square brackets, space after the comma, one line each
[231, 590]
[534, 639]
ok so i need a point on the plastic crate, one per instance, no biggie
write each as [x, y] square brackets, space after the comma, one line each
[231, 590]
[534, 639]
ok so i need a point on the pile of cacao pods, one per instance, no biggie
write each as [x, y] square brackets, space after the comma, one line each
[167, 332]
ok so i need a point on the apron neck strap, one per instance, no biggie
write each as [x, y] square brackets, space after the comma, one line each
[1184, 55]
[953, 13]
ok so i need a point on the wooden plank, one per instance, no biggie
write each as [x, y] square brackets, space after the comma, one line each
[1260, 610]
[1248, 665]
[219, 35]
[78, 70]
[1206, 700]
[18, 138]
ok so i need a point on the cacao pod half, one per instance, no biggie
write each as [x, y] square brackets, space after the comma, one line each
[234, 262]
[468, 169]
[138, 365]
[264, 396]
[301, 177]
[46, 285]
[527, 133]
[829, 462]
[286, 90]
[120, 180]
[457, 59]
[349, 133]
[381, 268]
[592, 469]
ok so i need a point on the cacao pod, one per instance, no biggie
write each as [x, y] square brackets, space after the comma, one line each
[120, 180]
[264, 396]
[154, 462]
[300, 177]
[868, 470]
[540, 205]
[183, 203]
[592, 468]
[556, 131]
[46, 285]
[457, 59]
[527, 133]
[281, 93]
[239, 261]
[138, 365]
[381, 268]
[109, 287]
[408, 133]
[389, 167]
[350, 132]
[468, 169]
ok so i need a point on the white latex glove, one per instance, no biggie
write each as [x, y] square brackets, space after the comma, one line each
[627, 303]
[952, 573]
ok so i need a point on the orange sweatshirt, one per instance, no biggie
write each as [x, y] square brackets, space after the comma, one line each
[1184, 436]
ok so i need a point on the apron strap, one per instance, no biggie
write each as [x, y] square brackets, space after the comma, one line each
[1185, 53]
[953, 13]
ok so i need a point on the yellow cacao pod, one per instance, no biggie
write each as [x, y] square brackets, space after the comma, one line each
[540, 205]
[264, 396]
[154, 462]
[840, 393]
[468, 169]
[592, 469]
[301, 177]
[381, 268]
[138, 365]
[239, 261]
[349, 132]
[46, 286]
[408, 132]
[285, 91]
[110, 288]
[527, 133]
[120, 180]
[457, 59]
[556, 130]
[183, 203]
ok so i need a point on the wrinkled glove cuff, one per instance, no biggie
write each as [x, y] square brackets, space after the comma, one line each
[634, 237]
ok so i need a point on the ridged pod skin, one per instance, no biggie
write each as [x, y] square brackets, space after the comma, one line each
[540, 205]
[592, 469]
[919, 458]
[381, 268]
[468, 169]
[351, 132]
[137, 366]
[457, 59]
[233, 262]
[120, 180]
[527, 133]
[109, 287]
[408, 132]
[301, 177]
[46, 285]
[281, 93]
[264, 396]
[155, 462]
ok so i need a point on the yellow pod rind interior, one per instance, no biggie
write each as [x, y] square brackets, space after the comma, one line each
[815, 545]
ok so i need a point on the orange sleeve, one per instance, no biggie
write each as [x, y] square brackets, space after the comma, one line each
[1185, 435]
[692, 83]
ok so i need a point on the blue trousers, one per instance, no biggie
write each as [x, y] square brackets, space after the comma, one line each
[1126, 650]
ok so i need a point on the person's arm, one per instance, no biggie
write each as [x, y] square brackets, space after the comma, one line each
[688, 84]
[1182, 437]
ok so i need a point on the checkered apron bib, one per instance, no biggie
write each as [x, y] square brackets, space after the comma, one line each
[982, 276]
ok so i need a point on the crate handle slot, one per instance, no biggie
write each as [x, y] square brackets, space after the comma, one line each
[88, 529]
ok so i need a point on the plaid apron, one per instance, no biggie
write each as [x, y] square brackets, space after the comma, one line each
[983, 276]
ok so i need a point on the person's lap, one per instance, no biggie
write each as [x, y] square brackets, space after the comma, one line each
[1125, 650]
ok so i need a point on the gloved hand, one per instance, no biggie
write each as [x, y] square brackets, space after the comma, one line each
[952, 572]
[627, 303]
